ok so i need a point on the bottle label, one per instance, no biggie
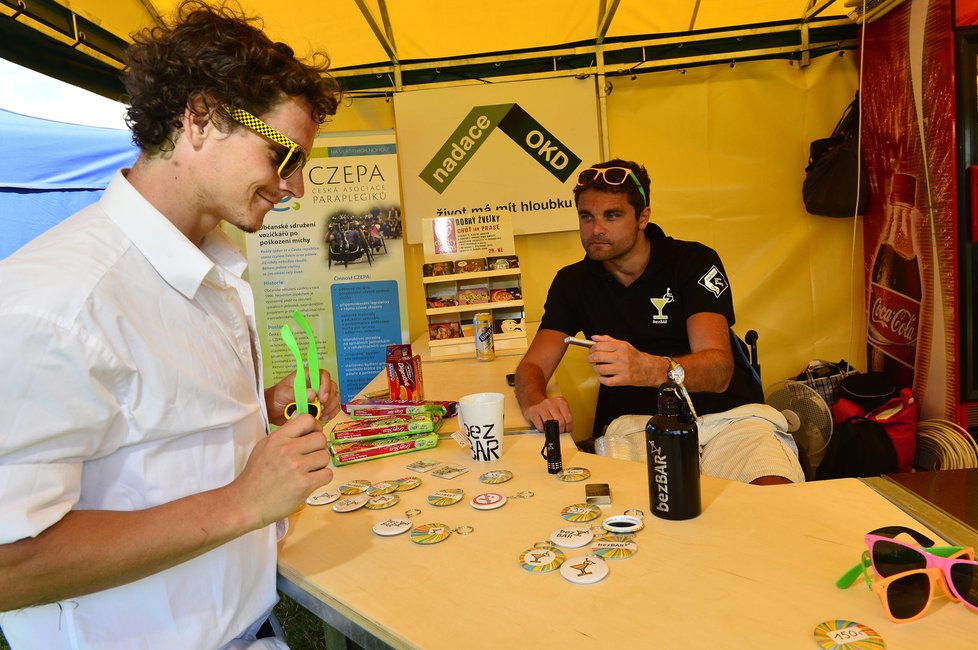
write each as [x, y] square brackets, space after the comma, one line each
[893, 322]
[660, 469]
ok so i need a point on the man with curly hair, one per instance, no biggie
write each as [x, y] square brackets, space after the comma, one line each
[140, 488]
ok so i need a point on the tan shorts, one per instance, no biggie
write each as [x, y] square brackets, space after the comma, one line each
[746, 443]
[742, 444]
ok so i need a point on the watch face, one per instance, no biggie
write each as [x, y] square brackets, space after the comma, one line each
[677, 373]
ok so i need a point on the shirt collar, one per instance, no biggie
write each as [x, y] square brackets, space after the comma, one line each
[658, 254]
[181, 264]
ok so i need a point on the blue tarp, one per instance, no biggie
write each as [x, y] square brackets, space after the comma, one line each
[48, 170]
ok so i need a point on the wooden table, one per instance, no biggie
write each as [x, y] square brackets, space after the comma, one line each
[946, 500]
[756, 569]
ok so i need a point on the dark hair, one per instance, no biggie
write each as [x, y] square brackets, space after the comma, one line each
[215, 55]
[628, 187]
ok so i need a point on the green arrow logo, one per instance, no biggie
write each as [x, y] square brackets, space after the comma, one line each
[512, 120]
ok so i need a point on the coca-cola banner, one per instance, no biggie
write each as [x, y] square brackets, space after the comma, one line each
[909, 234]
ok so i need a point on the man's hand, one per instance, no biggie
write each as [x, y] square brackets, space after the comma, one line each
[283, 469]
[282, 394]
[551, 408]
[618, 363]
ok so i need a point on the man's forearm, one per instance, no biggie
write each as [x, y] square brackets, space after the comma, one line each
[707, 371]
[91, 550]
[531, 385]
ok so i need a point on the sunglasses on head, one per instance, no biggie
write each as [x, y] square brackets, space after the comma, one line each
[292, 159]
[909, 574]
[611, 176]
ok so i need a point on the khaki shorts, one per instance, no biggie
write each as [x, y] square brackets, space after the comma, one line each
[742, 444]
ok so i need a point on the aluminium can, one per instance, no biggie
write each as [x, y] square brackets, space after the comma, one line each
[482, 326]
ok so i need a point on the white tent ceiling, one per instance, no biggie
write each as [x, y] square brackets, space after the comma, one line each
[388, 36]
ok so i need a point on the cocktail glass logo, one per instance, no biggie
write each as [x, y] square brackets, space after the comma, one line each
[512, 120]
[660, 304]
[286, 204]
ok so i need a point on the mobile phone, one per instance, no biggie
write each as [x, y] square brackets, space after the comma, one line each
[598, 494]
[584, 343]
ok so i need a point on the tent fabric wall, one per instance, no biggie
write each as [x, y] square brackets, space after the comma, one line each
[726, 148]
[50, 170]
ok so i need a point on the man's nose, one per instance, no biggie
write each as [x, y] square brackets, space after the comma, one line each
[294, 184]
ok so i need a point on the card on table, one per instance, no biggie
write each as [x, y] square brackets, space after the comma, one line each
[424, 465]
[450, 470]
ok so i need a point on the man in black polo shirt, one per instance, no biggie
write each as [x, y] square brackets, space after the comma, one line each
[652, 303]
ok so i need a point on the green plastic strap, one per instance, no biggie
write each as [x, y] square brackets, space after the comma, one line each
[850, 576]
[299, 386]
[312, 354]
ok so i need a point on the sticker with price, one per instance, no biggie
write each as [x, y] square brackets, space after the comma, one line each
[847, 635]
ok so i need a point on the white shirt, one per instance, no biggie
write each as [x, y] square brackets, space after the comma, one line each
[128, 381]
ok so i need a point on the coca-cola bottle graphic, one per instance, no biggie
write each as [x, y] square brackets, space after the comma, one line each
[894, 294]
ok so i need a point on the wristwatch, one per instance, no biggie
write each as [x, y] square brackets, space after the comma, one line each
[677, 375]
[676, 372]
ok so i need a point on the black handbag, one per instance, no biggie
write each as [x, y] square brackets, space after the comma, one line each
[834, 169]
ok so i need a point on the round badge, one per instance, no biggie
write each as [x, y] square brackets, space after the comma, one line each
[623, 524]
[430, 533]
[392, 526]
[572, 536]
[446, 497]
[614, 547]
[542, 560]
[488, 501]
[349, 504]
[384, 487]
[382, 501]
[354, 487]
[581, 512]
[407, 483]
[322, 496]
[573, 474]
[847, 635]
[584, 569]
[496, 476]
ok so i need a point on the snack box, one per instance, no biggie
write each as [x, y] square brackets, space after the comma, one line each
[364, 412]
[404, 379]
[473, 296]
[400, 407]
[357, 451]
[385, 427]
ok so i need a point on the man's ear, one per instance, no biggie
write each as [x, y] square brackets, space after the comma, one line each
[196, 120]
[643, 217]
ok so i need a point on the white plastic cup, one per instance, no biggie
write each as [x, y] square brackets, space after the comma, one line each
[481, 415]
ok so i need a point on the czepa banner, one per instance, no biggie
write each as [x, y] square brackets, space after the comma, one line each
[508, 148]
[337, 255]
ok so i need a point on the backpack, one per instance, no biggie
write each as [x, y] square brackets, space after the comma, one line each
[858, 447]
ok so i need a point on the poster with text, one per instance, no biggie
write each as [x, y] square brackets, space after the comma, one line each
[337, 255]
[513, 148]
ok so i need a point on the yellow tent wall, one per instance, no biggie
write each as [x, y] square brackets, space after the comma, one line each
[726, 146]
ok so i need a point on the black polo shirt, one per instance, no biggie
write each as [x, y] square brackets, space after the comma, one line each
[683, 278]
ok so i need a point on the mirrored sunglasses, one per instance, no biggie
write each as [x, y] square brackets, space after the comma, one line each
[291, 159]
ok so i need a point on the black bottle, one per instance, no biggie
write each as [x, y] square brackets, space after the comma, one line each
[672, 447]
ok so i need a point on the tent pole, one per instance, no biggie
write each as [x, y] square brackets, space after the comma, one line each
[602, 82]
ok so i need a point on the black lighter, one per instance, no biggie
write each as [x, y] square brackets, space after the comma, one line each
[551, 446]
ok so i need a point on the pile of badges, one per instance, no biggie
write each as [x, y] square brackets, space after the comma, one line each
[614, 539]
[356, 494]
